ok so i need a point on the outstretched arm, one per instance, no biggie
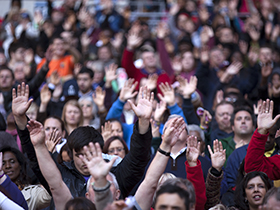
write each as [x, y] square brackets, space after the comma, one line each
[194, 171]
[98, 169]
[61, 193]
[215, 174]
[255, 160]
[144, 194]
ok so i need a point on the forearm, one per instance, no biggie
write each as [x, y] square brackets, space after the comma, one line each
[7, 204]
[76, 54]
[102, 199]
[143, 125]
[164, 58]
[144, 194]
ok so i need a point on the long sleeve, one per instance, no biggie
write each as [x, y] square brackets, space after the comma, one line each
[14, 192]
[256, 161]
[175, 109]
[164, 59]
[28, 148]
[7, 204]
[130, 171]
[189, 112]
[115, 110]
[195, 176]
[213, 185]
[127, 63]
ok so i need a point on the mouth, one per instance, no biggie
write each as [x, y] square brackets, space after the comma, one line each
[9, 173]
[257, 197]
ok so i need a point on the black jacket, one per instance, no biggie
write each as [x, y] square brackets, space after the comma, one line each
[128, 172]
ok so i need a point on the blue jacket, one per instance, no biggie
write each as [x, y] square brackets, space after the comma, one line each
[116, 110]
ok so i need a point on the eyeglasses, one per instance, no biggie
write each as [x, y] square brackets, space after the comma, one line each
[117, 149]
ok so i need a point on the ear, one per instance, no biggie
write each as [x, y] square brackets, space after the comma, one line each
[87, 195]
[117, 194]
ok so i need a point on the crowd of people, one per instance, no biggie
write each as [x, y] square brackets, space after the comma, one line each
[102, 110]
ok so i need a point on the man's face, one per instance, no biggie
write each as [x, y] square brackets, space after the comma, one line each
[265, 55]
[168, 201]
[84, 82]
[272, 204]
[58, 47]
[216, 58]
[50, 125]
[6, 79]
[243, 123]
[149, 59]
[115, 193]
[222, 115]
[79, 164]
[226, 35]
[104, 54]
[18, 55]
[19, 72]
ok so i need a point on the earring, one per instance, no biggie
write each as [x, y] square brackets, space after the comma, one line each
[246, 200]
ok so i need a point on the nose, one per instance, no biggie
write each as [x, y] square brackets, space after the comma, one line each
[7, 165]
[256, 189]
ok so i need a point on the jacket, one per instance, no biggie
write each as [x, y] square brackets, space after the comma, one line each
[256, 161]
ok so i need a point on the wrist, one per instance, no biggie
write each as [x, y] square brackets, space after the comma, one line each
[130, 48]
[165, 147]
[122, 99]
[172, 103]
[192, 163]
[262, 131]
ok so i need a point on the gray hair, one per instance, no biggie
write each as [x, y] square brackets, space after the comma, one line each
[89, 98]
[169, 118]
[115, 182]
[194, 127]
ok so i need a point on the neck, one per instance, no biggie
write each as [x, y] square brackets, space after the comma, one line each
[151, 70]
[71, 128]
[56, 57]
[86, 121]
[253, 207]
[177, 147]
[245, 137]
[11, 126]
[227, 130]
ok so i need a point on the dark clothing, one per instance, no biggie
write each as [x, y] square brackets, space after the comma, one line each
[128, 172]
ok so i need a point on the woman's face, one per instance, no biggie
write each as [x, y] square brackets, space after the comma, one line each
[116, 148]
[86, 106]
[255, 191]
[187, 61]
[72, 115]
[11, 166]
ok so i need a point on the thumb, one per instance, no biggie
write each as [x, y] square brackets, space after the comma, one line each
[276, 118]
[132, 105]
[112, 161]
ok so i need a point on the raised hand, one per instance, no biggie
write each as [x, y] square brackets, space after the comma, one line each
[155, 129]
[186, 89]
[54, 139]
[218, 157]
[193, 150]
[110, 74]
[37, 133]
[265, 121]
[160, 109]
[168, 94]
[172, 132]
[117, 41]
[162, 30]
[152, 81]
[144, 106]
[205, 119]
[127, 91]
[98, 97]
[133, 41]
[55, 78]
[20, 103]
[45, 95]
[85, 40]
[97, 166]
[234, 68]
[106, 131]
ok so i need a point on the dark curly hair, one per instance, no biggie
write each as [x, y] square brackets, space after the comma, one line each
[23, 179]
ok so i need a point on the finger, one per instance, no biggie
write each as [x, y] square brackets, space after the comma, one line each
[152, 97]
[210, 150]
[271, 107]
[98, 149]
[111, 163]
[50, 139]
[14, 94]
[19, 90]
[27, 90]
[132, 105]
[221, 146]
[160, 97]
[22, 88]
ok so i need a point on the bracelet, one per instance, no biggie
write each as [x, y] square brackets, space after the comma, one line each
[101, 189]
[203, 127]
[163, 152]
[2, 175]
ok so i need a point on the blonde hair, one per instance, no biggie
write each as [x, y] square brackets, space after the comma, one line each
[75, 103]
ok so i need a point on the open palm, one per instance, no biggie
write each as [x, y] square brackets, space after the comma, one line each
[37, 133]
[144, 106]
[20, 103]
[218, 157]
